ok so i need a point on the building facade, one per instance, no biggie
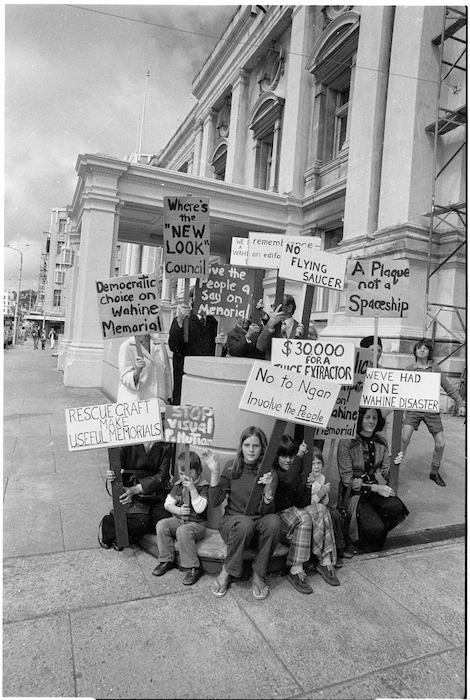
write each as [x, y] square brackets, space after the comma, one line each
[310, 120]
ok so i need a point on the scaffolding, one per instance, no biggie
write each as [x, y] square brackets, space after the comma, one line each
[448, 218]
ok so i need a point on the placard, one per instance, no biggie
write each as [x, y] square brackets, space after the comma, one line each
[312, 266]
[128, 306]
[332, 361]
[264, 250]
[186, 237]
[343, 420]
[189, 425]
[402, 390]
[288, 396]
[239, 251]
[378, 288]
[113, 424]
[228, 292]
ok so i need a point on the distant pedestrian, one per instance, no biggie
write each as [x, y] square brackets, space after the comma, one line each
[43, 340]
[35, 336]
[52, 337]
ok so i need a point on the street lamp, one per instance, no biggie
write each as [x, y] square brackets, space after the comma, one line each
[17, 309]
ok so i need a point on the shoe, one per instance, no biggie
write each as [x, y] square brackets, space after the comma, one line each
[102, 543]
[300, 582]
[348, 552]
[114, 546]
[328, 574]
[339, 562]
[219, 589]
[260, 593]
[193, 576]
[437, 478]
[163, 567]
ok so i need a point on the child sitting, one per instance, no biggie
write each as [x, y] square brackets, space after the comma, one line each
[188, 524]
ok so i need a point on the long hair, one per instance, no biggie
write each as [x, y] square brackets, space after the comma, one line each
[427, 344]
[238, 462]
[380, 419]
[286, 448]
[318, 454]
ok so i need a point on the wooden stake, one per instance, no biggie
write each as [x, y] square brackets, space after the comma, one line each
[396, 448]
[117, 489]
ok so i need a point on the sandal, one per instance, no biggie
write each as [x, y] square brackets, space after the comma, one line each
[219, 589]
[260, 593]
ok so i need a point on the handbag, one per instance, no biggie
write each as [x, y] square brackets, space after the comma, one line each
[342, 508]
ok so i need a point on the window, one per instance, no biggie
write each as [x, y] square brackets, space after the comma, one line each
[62, 223]
[331, 238]
[219, 160]
[265, 122]
[57, 297]
[341, 120]
[60, 245]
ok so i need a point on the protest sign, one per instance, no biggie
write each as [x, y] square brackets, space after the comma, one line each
[128, 305]
[343, 420]
[264, 250]
[239, 251]
[402, 390]
[288, 396]
[186, 236]
[189, 425]
[329, 360]
[378, 288]
[113, 424]
[301, 261]
[228, 292]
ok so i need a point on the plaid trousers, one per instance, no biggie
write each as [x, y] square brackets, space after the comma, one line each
[308, 530]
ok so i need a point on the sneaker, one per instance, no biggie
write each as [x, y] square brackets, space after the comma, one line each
[328, 574]
[300, 582]
[193, 575]
[163, 567]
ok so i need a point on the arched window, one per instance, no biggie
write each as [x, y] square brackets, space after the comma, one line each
[332, 62]
[266, 122]
[219, 159]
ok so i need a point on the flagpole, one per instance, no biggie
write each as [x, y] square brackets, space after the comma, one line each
[143, 117]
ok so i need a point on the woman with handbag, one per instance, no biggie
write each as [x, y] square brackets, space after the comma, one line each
[373, 507]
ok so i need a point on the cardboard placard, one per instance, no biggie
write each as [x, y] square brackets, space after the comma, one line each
[186, 237]
[305, 263]
[343, 420]
[228, 292]
[128, 306]
[378, 288]
[239, 251]
[264, 250]
[401, 389]
[189, 425]
[332, 361]
[288, 396]
[113, 424]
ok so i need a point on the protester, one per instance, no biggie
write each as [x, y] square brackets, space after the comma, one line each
[35, 336]
[280, 324]
[43, 339]
[423, 352]
[144, 377]
[241, 340]
[374, 508]
[52, 338]
[145, 475]
[187, 524]
[369, 342]
[238, 530]
[202, 332]
[306, 524]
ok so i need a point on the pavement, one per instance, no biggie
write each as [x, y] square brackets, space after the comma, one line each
[80, 621]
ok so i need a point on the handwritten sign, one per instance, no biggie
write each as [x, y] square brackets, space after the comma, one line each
[401, 389]
[239, 251]
[378, 288]
[326, 360]
[186, 236]
[343, 420]
[128, 305]
[264, 250]
[113, 424]
[189, 425]
[227, 292]
[303, 263]
[288, 396]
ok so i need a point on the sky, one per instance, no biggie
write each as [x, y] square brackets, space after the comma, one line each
[75, 83]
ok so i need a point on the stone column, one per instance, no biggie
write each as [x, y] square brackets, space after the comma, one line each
[366, 121]
[235, 167]
[99, 226]
[297, 107]
[197, 147]
[205, 168]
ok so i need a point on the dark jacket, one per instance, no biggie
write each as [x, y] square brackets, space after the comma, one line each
[238, 347]
[288, 483]
[151, 471]
[201, 337]
[202, 488]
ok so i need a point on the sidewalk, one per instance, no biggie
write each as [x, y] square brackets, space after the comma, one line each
[82, 621]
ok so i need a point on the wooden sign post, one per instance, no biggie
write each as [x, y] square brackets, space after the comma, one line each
[117, 489]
